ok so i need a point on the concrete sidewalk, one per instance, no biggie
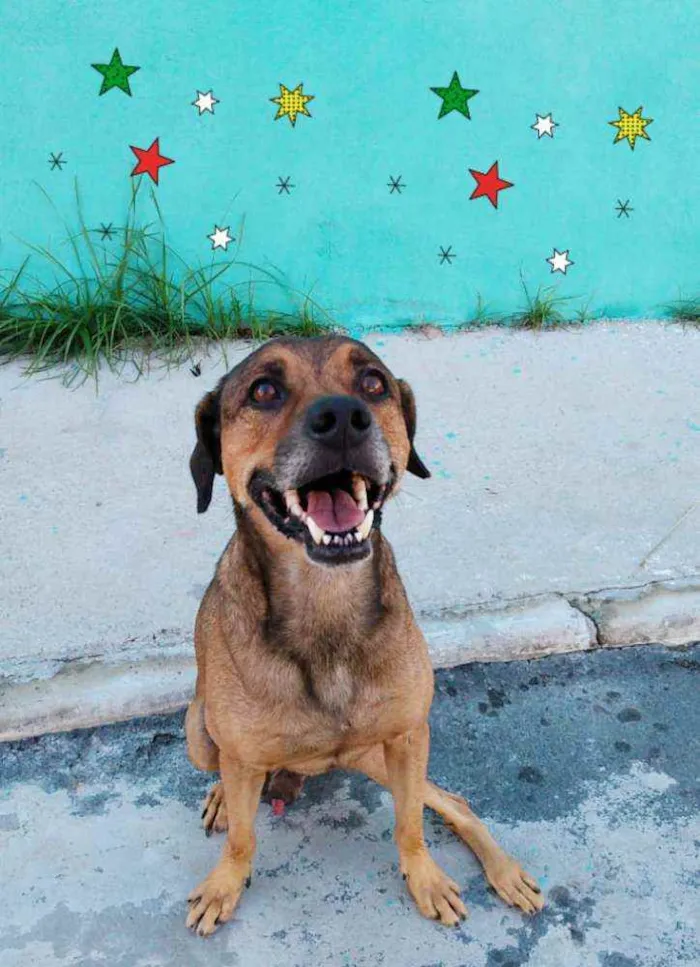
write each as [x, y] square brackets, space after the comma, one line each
[584, 766]
[562, 514]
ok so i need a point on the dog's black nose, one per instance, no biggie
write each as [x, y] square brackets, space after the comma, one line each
[339, 422]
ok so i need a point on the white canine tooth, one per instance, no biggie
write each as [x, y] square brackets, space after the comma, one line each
[359, 491]
[316, 532]
[327, 539]
[366, 525]
[292, 499]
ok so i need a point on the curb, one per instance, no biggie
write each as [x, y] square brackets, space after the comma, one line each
[84, 694]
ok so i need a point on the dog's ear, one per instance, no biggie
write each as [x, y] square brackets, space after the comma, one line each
[206, 456]
[408, 404]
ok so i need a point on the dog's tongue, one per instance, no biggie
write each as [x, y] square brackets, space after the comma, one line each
[334, 512]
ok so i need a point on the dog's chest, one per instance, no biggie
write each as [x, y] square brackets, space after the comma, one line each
[333, 689]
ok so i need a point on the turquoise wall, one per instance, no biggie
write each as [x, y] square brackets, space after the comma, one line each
[370, 254]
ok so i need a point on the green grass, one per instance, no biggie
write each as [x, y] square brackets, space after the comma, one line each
[543, 310]
[135, 300]
[684, 311]
[482, 316]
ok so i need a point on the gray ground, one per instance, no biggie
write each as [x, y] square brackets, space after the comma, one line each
[583, 765]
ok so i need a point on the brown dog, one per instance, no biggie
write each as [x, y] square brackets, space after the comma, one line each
[308, 654]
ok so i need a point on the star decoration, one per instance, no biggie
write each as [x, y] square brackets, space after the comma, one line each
[56, 161]
[220, 238]
[560, 261]
[115, 74]
[489, 184]
[544, 125]
[446, 255]
[395, 185]
[106, 231]
[284, 185]
[454, 98]
[631, 126]
[623, 208]
[205, 102]
[292, 103]
[150, 160]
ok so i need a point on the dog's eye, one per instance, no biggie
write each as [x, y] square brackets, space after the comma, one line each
[373, 384]
[265, 393]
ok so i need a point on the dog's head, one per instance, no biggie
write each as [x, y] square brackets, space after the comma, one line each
[313, 437]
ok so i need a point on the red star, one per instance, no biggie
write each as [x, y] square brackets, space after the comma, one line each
[488, 183]
[150, 160]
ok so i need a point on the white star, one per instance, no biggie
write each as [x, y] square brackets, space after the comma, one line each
[205, 102]
[220, 238]
[544, 125]
[560, 261]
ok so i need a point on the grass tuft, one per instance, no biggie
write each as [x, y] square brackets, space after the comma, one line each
[481, 317]
[137, 300]
[541, 311]
[684, 311]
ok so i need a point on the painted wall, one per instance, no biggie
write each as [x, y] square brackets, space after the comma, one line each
[379, 215]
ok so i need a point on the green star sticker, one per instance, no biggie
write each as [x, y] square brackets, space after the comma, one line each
[115, 74]
[454, 98]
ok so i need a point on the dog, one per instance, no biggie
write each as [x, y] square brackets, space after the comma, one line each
[308, 655]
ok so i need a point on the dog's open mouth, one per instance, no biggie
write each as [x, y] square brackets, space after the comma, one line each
[333, 515]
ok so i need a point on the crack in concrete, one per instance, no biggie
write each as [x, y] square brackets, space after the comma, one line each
[590, 621]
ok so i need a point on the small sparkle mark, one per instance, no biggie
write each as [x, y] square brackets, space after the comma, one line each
[395, 185]
[283, 185]
[106, 231]
[623, 208]
[446, 255]
[56, 161]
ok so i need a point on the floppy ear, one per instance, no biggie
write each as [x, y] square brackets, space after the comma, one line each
[206, 456]
[408, 404]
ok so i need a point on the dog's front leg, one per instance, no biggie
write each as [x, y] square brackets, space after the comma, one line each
[435, 893]
[215, 899]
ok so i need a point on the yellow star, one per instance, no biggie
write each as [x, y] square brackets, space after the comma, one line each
[631, 126]
[291, 103]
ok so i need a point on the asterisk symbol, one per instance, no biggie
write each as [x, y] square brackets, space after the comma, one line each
[284, 185]
[394, 184]
[56, 161]
[106, 231]
[623, 208]
[446, 255]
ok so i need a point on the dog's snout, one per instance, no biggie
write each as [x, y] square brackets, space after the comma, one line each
[338, 421]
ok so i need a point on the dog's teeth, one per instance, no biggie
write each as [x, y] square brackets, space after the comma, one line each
[359, 491]
[366, 525]
[348, 539]
[316, 532]
[327, 539]
[292, 499]
[358, 536]
[337, 539]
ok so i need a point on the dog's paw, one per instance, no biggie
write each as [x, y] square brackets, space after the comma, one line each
[214, 900]
[214, 815]
[436, 895]
[514, 885]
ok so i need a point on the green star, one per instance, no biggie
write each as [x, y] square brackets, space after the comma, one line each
[115, 74]
[454, 97]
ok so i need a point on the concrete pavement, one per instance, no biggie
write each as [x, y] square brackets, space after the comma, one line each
[562, 515]
[584, 766]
